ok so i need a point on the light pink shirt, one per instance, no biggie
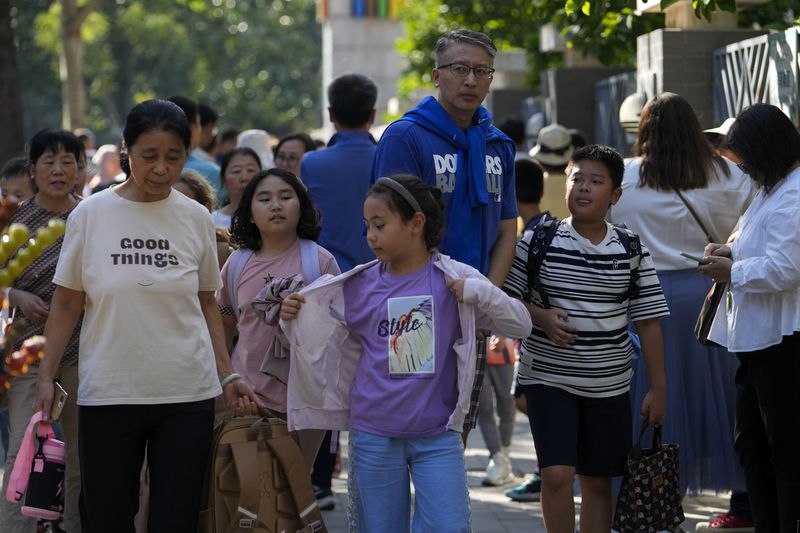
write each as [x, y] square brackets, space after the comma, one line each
[255, 337]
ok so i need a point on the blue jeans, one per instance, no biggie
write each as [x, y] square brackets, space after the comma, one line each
[380, 493]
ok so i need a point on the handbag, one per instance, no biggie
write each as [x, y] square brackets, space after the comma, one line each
[650, 496]
[714, 296]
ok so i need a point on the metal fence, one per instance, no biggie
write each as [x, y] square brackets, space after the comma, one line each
[759, 70]
[609, 94]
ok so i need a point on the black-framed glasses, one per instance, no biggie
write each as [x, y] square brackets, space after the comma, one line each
[460, 70]
[743, 168]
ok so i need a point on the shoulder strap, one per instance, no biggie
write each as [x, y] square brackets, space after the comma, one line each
[709, 236]
[236, 264]
[20, 473]
[296, 471]
[543, 234]
[633, 248]
[309, 260]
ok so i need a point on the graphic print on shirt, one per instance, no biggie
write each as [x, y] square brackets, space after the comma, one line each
[409, 330]
[149, 252]
[445, 167]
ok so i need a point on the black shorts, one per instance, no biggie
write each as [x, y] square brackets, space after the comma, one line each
[591, 434]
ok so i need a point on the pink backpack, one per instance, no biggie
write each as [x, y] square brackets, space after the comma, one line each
[38, 472]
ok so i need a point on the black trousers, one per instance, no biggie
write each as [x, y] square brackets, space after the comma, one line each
[767, 435]
[113, 440]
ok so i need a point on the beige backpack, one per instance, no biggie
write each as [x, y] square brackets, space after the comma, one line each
[258, 481]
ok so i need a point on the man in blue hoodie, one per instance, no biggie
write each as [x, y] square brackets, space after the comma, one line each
[449, 141]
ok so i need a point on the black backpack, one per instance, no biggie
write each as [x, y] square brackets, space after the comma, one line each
[543, 234]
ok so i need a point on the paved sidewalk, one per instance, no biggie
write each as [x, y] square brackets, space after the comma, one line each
[492, 512]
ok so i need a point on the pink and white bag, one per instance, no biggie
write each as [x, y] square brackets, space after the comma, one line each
[38, 472]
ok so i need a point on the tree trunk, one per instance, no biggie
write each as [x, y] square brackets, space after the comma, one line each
[12, 136]
[73, 89]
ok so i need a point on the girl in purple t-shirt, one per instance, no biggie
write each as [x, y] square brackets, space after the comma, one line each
[407, 387]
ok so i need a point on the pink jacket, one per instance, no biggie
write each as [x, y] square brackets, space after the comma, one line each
[324, 355]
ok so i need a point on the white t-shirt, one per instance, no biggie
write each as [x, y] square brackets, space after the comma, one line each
[141, 264]
[665, 224]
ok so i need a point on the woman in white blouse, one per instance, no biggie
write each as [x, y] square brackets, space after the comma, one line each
[674, 163]
[762, 267]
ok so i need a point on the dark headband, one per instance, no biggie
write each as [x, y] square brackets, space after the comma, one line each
[397, 187]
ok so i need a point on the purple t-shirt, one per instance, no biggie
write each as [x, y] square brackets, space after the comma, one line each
[406, 381]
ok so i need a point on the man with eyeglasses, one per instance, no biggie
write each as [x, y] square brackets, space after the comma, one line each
[449, 142]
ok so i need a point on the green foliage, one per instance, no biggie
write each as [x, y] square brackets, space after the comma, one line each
[606, 30]
[257, 62]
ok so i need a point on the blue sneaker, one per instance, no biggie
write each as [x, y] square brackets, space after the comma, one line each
[529, 491]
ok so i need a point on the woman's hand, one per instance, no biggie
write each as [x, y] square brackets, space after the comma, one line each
[43, 401]
[555, 323]
[34, 308]
[240, 398]
[456, 286]
[715, 249]
[653, 406]
[718, 268]
[291, 306]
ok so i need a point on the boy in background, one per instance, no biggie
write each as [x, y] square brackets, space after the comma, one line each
[575, 367]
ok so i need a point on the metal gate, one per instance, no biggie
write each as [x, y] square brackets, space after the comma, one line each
[609, 94]
[759, 70]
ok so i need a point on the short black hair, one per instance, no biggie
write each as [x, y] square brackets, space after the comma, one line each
[53, 140]
[429, 199]
[14, 167]
[767, 143]
[514, 127]
[605, 155]
[578, 138]
[244, 232]
[240, 150]
[304, 138]
[226, 135]
[528, 181]
[188, 106]
[352, 99]
[207, 114]
[151, 115]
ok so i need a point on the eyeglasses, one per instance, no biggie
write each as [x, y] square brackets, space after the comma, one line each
[743, 168]
[460, 70]
[289, 159]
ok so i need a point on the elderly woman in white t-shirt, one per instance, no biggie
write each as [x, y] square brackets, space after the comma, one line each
[762, 268]
[676, 172]
[142, 261]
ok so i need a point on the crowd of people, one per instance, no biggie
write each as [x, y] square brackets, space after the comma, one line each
[442, 278]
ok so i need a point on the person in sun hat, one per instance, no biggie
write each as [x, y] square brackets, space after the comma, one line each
[553, 150]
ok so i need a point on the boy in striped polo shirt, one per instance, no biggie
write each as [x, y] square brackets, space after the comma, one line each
[575, 367]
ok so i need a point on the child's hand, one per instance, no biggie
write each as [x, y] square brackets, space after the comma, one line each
[291, 306]
[456, 286]
[555, 323]
[653, 406]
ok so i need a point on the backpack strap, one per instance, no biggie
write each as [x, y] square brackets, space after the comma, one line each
[245, 460]
[309, 260]
[236, 264]
[294, 466]
[633, 247]
[543, 234]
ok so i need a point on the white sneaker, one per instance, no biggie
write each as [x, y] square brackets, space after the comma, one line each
[498, 472]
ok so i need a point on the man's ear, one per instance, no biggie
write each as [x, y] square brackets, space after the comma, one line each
[435, 76]
[330, 115]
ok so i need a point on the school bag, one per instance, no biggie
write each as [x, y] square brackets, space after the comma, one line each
[309, 262]
[258, 481]
[543, 234]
